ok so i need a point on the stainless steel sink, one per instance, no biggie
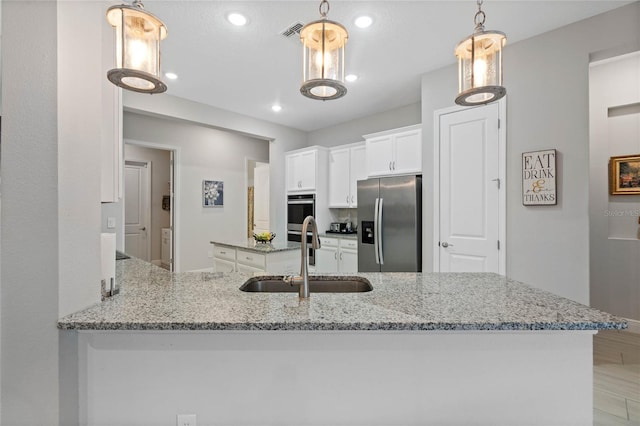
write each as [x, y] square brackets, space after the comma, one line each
[317, 284]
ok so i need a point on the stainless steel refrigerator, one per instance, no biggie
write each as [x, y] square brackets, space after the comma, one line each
[390, 224]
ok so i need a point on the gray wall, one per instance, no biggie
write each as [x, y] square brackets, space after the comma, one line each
[50, 237]
[281, 138]
[204, 153]
[160, 168]
[615, 230]
[352, 131]
[547, 107]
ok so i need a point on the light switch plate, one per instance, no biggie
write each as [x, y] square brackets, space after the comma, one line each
[111, 222]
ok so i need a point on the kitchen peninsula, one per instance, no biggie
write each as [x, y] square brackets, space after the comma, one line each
[252, 256]
[418, 349]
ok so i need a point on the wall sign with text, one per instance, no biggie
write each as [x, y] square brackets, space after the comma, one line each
[539, 178]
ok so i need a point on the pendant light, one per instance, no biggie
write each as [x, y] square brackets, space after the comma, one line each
[138, 35]
[480, 64]
[323, 45]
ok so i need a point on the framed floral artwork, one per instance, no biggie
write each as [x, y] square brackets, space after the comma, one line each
[212, 193]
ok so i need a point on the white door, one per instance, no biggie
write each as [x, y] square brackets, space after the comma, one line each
[261, 198]
[137, 220]
[469, 191]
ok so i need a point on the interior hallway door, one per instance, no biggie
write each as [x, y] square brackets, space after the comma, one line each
[470, 216]
[137, 213]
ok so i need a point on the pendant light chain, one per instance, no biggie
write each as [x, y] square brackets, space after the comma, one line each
[479, 18]
[324, 12]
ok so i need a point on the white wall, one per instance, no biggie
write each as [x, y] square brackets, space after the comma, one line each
[205, 154]
[281, 138]
[615, 230]
[547, 107]
[160, 175]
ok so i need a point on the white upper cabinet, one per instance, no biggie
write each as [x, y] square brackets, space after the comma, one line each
[394, 152]
[301, 171]
[347, 164]
[357, 170]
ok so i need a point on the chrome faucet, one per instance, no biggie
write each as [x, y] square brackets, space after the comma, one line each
[303, 279]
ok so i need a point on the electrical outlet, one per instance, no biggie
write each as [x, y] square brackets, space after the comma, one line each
[186, 420]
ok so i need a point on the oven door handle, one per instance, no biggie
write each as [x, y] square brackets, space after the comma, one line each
[310, 202]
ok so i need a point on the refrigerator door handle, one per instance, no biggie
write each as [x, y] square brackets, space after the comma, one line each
[375, 231]
[379, 232]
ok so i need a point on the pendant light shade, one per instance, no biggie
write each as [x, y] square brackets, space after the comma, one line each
[480, 65]
[323, 45]
[138, 35]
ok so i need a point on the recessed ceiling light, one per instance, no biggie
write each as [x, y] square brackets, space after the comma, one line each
[363, 21]
[237, 19]
[171, 75]
[351, 77]
[276, 108]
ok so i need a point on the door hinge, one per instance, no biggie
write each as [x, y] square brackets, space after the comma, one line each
[498, 244]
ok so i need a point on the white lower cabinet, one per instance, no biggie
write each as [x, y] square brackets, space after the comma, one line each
[337, 255]
[230, 259]
[221, 265]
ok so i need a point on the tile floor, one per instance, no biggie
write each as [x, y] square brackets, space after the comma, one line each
[616, 378]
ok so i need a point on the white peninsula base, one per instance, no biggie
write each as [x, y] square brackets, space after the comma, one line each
[334, 378]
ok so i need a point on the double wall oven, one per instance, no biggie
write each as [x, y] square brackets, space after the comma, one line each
[298, 207]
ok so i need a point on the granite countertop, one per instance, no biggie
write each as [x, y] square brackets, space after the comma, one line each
[252, 245]
[152, 298]
[351, 236]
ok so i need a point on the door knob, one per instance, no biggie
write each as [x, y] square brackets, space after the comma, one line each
[143, 228]
[446, 244]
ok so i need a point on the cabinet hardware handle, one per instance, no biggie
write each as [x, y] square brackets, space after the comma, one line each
[347, 199]
[390, 166]
[335, 255]
[340, 255]
[352, 199]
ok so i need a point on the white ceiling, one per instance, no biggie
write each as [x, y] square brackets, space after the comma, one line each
[247, 69]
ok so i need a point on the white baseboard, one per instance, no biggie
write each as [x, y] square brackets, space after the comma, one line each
[634, 326]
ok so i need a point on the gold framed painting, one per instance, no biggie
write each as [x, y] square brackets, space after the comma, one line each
[624, 175]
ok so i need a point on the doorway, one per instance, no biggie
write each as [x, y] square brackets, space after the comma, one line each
[157, 203]
[469, 189]
[258, 196]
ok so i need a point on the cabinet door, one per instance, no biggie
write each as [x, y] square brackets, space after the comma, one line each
[293, 182]
[306, 170]
[379, 156]
[248, 269]
[301, 171]
[348, 261]
[358, 171]
[326, 259]
[339, 195]
[408, 152]
[221, 265]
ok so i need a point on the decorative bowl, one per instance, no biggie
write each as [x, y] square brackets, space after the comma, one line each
[263, 238]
